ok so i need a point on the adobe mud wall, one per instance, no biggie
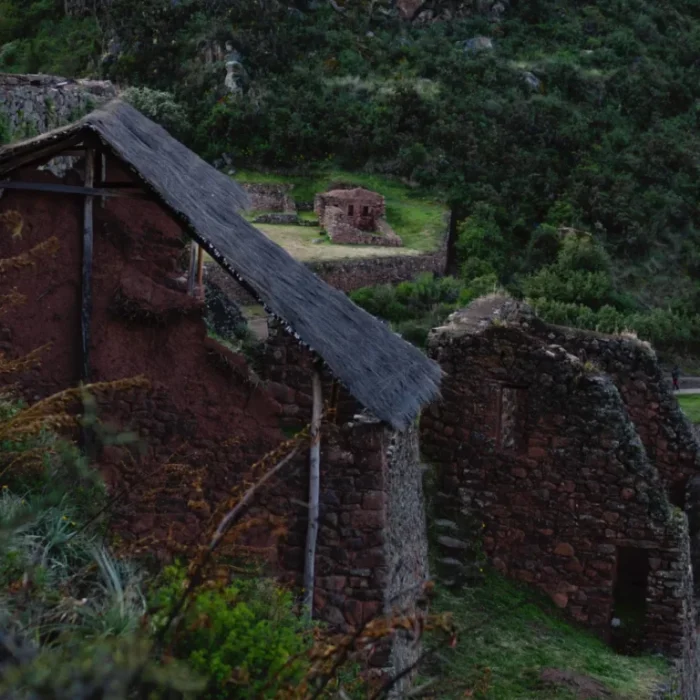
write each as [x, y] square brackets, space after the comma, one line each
[347, 275]
[34, 104]
[544, 449]
[203, 421]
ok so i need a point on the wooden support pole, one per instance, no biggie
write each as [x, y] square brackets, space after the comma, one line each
[86, 302]
[86, 279]
[192, 274]
[314, 490]
[200, 265]
[103, 176]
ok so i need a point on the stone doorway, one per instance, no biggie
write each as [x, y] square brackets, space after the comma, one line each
[630, 600]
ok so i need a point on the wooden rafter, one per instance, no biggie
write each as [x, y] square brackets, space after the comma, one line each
[54, 188]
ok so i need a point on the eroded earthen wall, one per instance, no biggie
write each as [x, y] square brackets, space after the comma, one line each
[541, 447]
[203, 421]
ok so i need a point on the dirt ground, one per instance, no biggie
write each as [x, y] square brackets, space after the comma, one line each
[298, 241]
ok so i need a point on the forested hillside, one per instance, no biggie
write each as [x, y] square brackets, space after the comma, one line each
[576, 118]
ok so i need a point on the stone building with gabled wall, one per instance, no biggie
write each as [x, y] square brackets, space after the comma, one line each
[117, 296]
[570, 448]
[355, 216]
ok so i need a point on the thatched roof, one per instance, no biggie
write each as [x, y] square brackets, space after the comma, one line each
[387, 375]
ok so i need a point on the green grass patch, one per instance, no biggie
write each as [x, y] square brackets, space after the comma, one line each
[690, 403]
[414, 215]
[509, 634]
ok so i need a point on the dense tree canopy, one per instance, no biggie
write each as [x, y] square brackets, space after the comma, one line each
[582, 115]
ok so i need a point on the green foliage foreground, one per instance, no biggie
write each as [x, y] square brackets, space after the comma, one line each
[74, 618]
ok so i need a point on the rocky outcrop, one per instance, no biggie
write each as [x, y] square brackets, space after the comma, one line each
[33, 104]
[438, 10]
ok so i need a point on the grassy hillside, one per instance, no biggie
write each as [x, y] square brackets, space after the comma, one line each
[581, 116]
[509, 635]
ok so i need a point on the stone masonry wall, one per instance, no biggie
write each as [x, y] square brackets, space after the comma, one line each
[542, 448]
[347, 275]
[372, 542]
[342, 232]
[667, 435]
[34, 104]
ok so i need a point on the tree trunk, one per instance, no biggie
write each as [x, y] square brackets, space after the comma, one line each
[452, 265]
[314, 488]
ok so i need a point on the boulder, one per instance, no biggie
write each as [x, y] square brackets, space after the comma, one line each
[477, 44]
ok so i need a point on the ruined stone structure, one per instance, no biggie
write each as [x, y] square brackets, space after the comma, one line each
[355, 216]
[270, 198]
[33, 104]
[578, 467]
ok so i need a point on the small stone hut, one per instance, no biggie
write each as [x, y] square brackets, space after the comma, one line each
[112, 240]
[360, 208]
[571, 450]
[354, 216]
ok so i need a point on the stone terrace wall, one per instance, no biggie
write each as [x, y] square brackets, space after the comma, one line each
[542, 449]
[38, 103]
[347, 275]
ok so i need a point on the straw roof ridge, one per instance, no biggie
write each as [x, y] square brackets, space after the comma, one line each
[387, 375]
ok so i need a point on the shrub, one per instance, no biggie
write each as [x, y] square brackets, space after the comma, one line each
[245, 638]
[161, 107]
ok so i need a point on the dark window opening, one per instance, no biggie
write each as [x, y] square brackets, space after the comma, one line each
[630, 601]
[512, 411]
[365, 211]
[676, 493]
[351, 209]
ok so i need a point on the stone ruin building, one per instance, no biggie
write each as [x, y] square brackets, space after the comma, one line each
[270, 198]
[111, 242]
[355, 216]
[570, 448]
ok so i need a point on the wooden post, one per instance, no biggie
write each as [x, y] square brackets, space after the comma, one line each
[86, 303]
[86, 279]
[314, 488]
[103, 175]
[191, 277]
[200, 265]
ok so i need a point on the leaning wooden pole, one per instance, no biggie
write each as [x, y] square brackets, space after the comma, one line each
[314, 489]
[86, 298]
[86, 279]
